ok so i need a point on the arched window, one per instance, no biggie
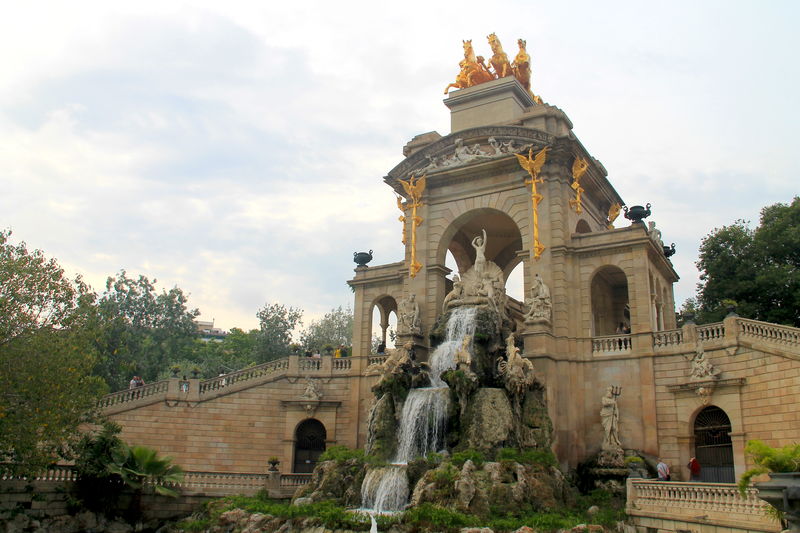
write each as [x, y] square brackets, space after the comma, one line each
[610, 309]
[712, 445]
[309, 443]
[582, 227]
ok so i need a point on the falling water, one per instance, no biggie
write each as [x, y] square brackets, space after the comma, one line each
[422, 422]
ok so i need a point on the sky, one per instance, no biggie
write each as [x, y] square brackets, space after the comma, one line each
[237, 149]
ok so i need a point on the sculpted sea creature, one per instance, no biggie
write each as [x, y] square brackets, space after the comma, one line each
[516, 371]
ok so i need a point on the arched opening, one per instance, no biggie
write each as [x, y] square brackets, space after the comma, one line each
[582, 227]
[503, 240]
[309, 443]
[712, 445]
[610, 311]
[515, 283]
[383, 321]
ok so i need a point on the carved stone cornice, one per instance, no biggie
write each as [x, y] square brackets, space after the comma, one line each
[446, 145]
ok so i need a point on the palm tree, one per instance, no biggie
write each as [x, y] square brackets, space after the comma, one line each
[140, 466]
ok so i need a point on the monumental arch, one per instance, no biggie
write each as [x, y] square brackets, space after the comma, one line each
[599, 277]
[694, 390]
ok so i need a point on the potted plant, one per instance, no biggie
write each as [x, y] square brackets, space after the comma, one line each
[175, 369]
[782, 491]
[196, 372]
[273, 463]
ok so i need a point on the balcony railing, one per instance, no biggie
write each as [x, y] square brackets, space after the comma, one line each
[699, 503]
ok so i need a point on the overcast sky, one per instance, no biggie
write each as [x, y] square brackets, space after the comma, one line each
[237, 149]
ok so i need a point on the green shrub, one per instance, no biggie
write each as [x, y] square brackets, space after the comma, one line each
[543, 457]
[459, 458]
[341, 454]
[631, 459]
[769, 459]
[437, 518]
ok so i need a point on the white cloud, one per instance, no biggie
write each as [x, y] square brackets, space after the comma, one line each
[237, 150]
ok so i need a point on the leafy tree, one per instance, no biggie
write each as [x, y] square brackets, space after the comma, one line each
[143, 330]
[276, 325]
[48, 325]
[335, 328]
[757, 268]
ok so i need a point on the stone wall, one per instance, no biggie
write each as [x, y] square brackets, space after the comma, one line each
[237, 427]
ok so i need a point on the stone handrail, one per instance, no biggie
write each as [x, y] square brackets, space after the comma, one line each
[707, 503]
[611, 344]
[785, 335]
[376, 359]
[228, 482]
[672, 337]
[295, 480]
[246, 374]
[342, 364]
[710, 332]
[309, 364]
[130, 395]
[57, 473]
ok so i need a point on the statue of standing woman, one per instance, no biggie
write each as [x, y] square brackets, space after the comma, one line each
[609, 415]
[479, 243]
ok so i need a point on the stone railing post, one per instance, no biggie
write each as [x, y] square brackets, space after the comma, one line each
[294, 365]
[631, 494]
[274, 483]
[731, 325]
[173, 389]
[326, 367]
[194, 390]
[689, 330]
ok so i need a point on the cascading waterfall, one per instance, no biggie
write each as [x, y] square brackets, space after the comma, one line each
[422, 421]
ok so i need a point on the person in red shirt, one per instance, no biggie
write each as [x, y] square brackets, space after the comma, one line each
[694, 469]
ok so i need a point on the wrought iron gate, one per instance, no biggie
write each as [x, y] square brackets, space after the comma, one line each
[713, 447]
[309, 445]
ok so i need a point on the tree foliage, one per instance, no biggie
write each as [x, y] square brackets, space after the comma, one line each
[277, 322]
[48, 329]
[757, 268]
[335, 328]
[143, 329]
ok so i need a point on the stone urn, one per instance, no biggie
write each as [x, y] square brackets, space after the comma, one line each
[637, 213]
[362, 258]
[273, 464]
[782, 491]
[669, 251]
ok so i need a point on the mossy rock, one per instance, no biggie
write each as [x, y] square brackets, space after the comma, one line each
[382, 430]
[488, 421]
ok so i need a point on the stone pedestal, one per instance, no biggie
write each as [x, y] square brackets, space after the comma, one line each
[418, 341]
[492, 102]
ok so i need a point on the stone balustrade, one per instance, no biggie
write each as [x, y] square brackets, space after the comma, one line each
[222, 482]
[130, 395]
[611, 344]
[658, 504]
[669, 338]
[343, 364]
[783, 335]
[295, 480]
[58, 473]
[376, 359]
[711, 332]
[247, 374]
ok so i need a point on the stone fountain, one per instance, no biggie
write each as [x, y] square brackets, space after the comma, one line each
[477, 396]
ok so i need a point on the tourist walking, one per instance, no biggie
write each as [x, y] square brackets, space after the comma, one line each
[663, 470]
[694, 469]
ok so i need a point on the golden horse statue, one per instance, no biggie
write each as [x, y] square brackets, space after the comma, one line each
[499, 61]
[473, 70]
[522, 69]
